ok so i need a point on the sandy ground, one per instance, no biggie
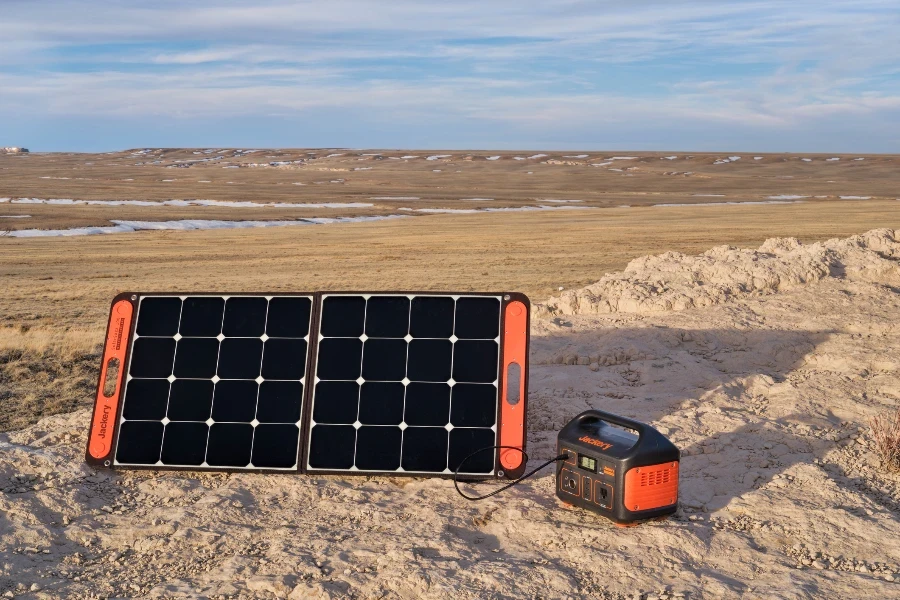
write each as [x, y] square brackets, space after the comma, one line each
[762, 366]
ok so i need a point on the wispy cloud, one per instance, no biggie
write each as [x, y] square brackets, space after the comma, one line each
[758, 74]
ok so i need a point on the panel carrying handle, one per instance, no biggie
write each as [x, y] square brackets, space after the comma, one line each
[512, 387]
[594, 415]
[112, 378]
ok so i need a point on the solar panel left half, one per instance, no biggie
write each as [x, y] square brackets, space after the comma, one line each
[203, 381]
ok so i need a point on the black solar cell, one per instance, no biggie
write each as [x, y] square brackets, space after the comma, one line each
[402, 383]
[216, 382]
[386, 374]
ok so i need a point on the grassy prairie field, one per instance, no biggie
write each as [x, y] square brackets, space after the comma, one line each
[56, 291]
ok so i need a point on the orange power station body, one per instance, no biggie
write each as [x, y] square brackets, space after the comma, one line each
[622, 469]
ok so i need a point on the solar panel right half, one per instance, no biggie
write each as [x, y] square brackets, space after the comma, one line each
[414, 383]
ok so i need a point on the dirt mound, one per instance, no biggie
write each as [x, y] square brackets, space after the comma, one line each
[674, 281]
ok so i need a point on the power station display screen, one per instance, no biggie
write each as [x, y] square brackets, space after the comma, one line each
[587, 463]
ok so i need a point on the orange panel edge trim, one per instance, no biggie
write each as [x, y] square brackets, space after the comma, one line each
[512, 416]
[112, 374]
[651, 486]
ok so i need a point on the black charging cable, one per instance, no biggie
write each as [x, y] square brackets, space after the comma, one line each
[562, 456]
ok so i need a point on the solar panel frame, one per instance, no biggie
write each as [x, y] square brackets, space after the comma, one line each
[109, 459]
[308, 423]
[101, 421]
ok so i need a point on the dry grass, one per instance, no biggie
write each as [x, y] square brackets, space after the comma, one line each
[59, 288]
[45, 371]
[66, 344]
[886, 435]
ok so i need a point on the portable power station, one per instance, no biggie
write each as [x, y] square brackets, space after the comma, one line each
[624, 476]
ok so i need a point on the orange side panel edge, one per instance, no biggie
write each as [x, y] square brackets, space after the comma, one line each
[512, 414]
[652, 486]
[113, 372]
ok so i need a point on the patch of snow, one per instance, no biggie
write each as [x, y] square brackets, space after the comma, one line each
[576, 156]
[732, 203]
[438, 156]
[394, 198]
[538, 156]
[493, 158]
[495, 209]
[443, 210]
[855, 197]
[835, 159]
[334, 155]
[709, 195]
[757, 158]
[15, 216]
[535, 208]
[603, 164]
[668, 158]
[786, 197]
[187, 225]
[181, 203]
[859, 159]
[806, 159]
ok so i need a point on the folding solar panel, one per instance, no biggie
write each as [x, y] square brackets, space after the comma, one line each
[380, 382]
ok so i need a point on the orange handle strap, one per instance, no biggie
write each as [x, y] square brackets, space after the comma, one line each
[512, 388]
[110, 389]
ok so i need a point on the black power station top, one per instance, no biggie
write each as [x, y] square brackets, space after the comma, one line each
[618, 467]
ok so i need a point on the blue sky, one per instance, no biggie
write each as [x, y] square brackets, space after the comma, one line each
[762, 75]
